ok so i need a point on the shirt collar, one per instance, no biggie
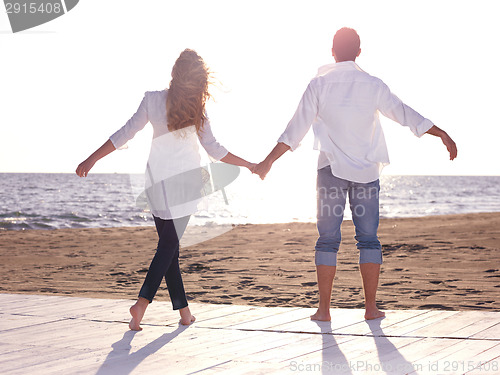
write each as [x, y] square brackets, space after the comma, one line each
[343, 65]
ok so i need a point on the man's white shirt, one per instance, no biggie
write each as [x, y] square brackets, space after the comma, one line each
[342, 103]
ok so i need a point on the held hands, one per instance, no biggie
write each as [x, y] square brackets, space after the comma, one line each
[262, 169]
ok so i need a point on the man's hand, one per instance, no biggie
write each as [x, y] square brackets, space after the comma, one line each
[262, 169]
[450, 145]
[448, 142]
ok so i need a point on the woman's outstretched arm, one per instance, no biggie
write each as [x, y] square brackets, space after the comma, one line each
[85, 166]
[235, 160]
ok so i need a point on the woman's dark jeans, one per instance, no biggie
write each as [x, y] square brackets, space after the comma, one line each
[166, 262]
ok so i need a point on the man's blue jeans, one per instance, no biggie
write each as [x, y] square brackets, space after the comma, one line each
[364, 203]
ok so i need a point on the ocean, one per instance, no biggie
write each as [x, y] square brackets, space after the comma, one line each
[52, 201]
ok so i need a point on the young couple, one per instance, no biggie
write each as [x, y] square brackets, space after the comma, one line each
[341, 104]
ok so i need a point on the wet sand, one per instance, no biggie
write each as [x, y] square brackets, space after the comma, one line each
[438, 262]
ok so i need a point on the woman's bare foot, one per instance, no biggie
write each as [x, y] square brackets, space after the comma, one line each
[373, 313]
[137, 311]
[322, 316]
[186, 317]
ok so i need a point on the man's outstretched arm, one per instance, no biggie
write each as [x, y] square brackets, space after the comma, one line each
[448, 142]
[295, 131]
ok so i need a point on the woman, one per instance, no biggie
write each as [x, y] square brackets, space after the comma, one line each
[178, 117]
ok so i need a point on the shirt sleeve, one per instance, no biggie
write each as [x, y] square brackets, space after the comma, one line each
[392, 107]
[209, 143]
[302, 120]
[132, 126]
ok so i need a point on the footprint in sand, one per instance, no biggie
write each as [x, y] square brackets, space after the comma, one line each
[262, 287]
[392, 283]
[473, 291]
[118, 274]
[431, 306]
[311, 283]
[198, 293]
[194, 267]
[246, 282]
[282, 299]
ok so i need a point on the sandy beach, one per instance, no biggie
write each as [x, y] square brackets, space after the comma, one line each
[437, 262]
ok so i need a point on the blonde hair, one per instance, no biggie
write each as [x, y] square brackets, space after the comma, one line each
[188, 92]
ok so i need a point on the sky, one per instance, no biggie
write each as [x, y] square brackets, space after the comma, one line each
[67, 85]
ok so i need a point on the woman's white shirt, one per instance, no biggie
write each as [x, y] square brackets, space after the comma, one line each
[174, 175]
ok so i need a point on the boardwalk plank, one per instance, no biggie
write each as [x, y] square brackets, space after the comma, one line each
[376, 327]
[9, 322]
[492, 332]
[341, 318]
[457, 358]
[408, 327]
[450, 326]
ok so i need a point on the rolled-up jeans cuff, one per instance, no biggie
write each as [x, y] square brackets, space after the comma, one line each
[370, 256]
[326, 258]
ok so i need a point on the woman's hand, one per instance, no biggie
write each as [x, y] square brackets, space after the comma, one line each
[85, 167]
[251, 167]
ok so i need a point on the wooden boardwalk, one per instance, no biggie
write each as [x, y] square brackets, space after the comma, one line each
[42, 334]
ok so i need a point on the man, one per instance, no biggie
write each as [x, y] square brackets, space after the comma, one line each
[342, 104]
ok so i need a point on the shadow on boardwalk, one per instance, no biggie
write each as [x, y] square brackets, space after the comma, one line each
[121, 361]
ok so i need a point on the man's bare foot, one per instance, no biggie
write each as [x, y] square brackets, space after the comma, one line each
[321, 316]
[186, 317]
[373, 313]
[137, 311]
